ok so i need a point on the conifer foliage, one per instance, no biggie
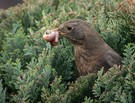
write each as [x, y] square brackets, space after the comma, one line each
[32, 71]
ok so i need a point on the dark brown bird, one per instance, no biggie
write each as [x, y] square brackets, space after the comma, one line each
[90, 50]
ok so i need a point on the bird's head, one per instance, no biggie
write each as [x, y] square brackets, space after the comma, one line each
[76, 30]
[73, 30]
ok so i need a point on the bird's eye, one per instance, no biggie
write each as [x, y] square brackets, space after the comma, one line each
[69, 28]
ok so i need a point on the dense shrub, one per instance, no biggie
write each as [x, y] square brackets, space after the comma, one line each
[33, 71]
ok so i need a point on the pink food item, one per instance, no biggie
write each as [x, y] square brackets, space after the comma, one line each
[51, 36]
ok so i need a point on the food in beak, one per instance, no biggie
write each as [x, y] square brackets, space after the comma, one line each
[51, 36]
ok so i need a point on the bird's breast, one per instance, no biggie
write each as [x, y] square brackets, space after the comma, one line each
[86, 61]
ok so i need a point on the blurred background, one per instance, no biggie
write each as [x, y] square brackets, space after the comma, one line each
[4, 4]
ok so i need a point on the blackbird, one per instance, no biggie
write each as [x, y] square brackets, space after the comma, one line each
[90, 50]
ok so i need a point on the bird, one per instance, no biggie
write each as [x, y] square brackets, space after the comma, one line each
[90, 50]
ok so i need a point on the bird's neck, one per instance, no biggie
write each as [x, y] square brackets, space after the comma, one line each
[93, 40]
[93, 46]
[94, 43]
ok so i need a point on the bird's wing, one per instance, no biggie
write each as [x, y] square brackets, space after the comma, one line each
[112, 58]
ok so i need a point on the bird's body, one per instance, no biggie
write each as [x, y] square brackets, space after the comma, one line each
[90, 50]
[91, 61]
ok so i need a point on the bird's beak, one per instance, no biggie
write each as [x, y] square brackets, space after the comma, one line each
[58, 30]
